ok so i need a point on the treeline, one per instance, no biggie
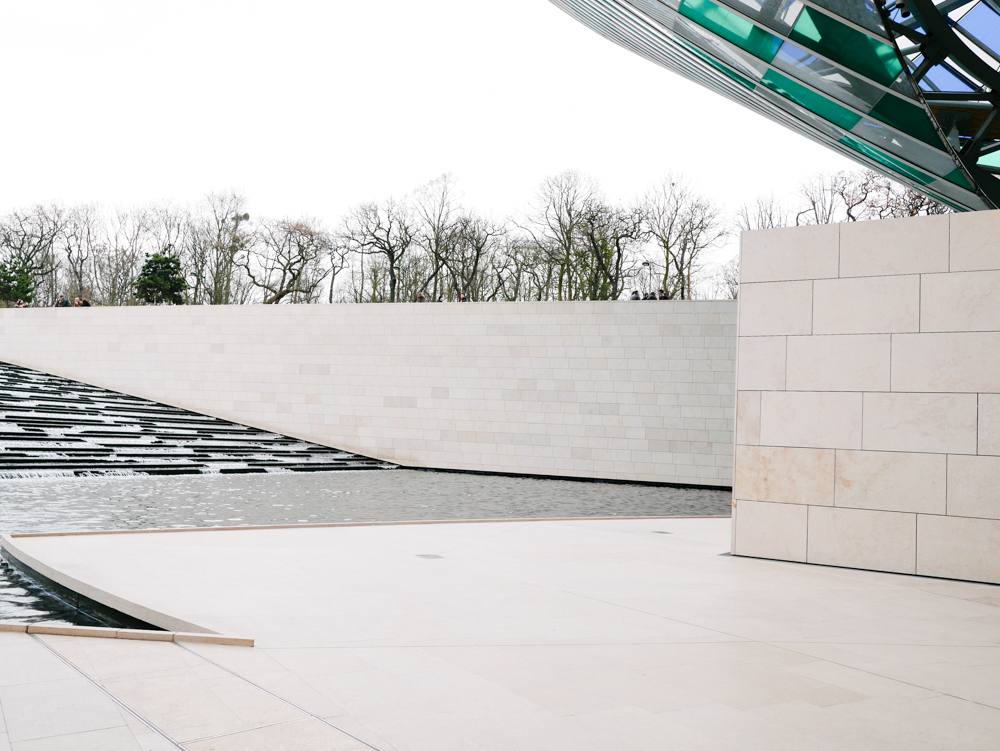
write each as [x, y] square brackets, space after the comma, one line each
[571, 243]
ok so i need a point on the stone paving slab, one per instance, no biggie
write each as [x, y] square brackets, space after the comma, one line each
[626, 634]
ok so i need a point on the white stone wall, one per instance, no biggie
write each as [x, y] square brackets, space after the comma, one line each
[868, 419]
[617, 390]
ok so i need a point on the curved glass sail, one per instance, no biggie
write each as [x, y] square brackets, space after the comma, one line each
[905, 87]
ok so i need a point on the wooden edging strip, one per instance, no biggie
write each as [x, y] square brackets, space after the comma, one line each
[123, 633]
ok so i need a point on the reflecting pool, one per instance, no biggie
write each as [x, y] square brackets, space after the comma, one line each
[159, 502]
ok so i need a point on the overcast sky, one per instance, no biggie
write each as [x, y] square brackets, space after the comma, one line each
[311, 107]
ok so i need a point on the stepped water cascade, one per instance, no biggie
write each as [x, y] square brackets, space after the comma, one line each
[52, 426]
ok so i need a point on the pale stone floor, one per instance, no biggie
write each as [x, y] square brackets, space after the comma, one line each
[578, 635]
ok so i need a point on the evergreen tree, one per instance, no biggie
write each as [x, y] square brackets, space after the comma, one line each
[161, 280]
[15, 284]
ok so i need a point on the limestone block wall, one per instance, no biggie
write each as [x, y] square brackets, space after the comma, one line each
[616, 390]
[868, 417]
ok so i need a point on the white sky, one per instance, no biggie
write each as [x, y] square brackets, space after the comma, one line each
[311, 107]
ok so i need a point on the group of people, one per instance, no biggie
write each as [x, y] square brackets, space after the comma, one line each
[62, 302]
[658, 295]
[423, 298]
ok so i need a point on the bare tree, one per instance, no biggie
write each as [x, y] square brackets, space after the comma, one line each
[128, 236]
[727, 281]
[683, 225]
[216, 237]
[820, 201]
[338, 260]
[554, 226]
[286, 264]
[869, 195]
[854, 191]
[519, 270]
[28, 241]
[81, 237]
[764, 212]
[611, 236]
[171, 228]
[477, 242]
[435, 231]
[859, 195]
[382, 230]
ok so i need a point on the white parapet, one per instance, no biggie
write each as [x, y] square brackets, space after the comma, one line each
[617, 390]
[868, 396]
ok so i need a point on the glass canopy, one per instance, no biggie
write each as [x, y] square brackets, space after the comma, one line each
[909, 88]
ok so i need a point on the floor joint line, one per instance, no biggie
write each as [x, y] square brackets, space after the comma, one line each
[104, 690]
[248, 730]
[279, 698]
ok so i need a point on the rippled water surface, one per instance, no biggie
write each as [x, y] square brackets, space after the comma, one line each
[95, 503]
[108, 503]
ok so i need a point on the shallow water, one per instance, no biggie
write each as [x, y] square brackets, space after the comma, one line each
[96, 503]
[158, 502]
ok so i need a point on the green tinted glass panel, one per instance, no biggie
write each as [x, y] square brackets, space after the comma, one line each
[990, 160]
[909, 118]
[820, 105]
[740, 79]
[887, 161]
[959, 179]
[847, 46]
[732, 28]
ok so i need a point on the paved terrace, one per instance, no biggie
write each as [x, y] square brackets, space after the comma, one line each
[577, 635]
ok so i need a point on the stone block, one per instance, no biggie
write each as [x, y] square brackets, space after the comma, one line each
[974, 486]
[775, 308]
[931, 423]
[867, 305]
[838, 363]
[892, 481]
[762, 363]
[811, 419]
[966, 301]
[770, 530]
[860, 538]
[989, 424]
[784, 475]
[975, 241]
[953, 362]
[748, 418]
[915, 245]
[790, 253]
[958, 548]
